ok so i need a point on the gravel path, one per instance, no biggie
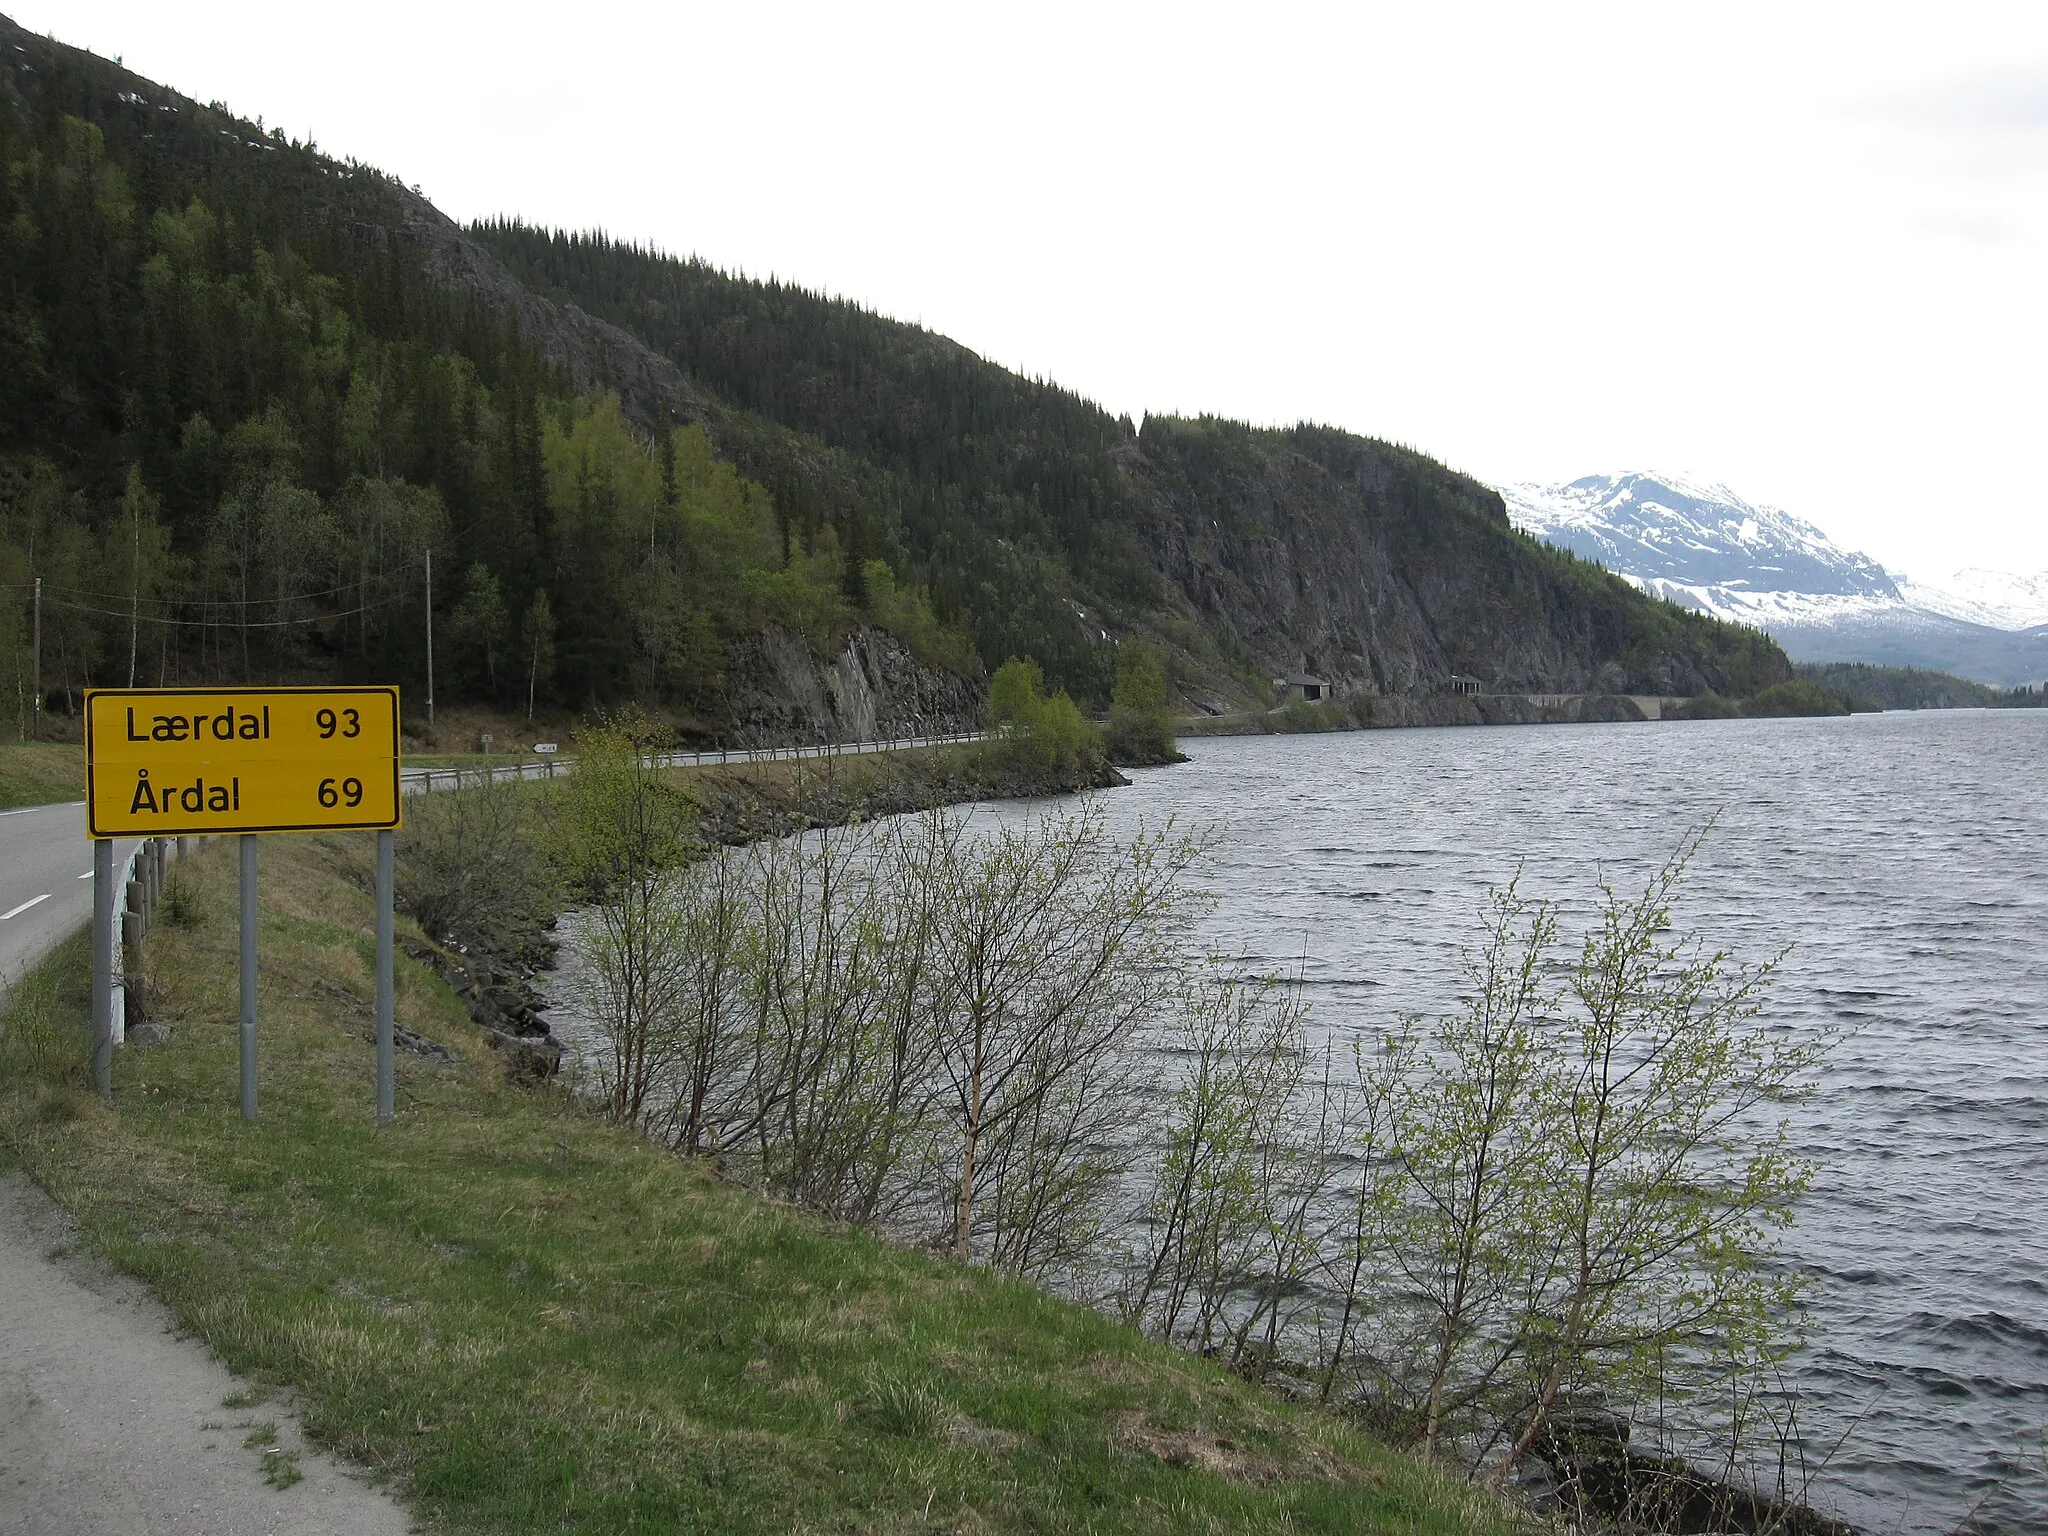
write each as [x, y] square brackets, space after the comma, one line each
[112, 1423]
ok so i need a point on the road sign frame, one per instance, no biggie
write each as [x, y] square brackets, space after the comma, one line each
[174, 730]
[386, 694]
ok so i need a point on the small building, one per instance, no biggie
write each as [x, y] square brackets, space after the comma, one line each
[1460, 683]
[1303, 685]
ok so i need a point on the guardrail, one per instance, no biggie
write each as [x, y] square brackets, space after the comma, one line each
[140, 883]
[416, 781]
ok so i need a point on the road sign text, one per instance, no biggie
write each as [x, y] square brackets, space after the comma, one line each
[173, 761]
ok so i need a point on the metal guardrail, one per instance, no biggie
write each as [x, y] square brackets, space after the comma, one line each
[137, 886]
[145, 871]
[414, 781]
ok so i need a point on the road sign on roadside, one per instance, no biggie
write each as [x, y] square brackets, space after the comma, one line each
[178, 762]
[167, 762]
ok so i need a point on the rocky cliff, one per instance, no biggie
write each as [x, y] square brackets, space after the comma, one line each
[875, 689]
[1379, 571]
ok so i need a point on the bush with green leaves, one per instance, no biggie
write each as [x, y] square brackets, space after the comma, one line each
[1050, 734]
[469, 863]
[1565, 1194]
[1140, 727]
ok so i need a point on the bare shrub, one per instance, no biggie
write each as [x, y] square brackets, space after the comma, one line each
[621, 833]
[468, 863]
[1221, 1208]
[1055, 947]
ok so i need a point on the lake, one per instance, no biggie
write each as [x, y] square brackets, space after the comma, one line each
[1902, 855]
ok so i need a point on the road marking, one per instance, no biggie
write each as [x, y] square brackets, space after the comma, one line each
[86, 876]
[24, 906]
[30, 810]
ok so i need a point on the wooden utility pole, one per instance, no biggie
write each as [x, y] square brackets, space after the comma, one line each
[430, 637]
[35, 729]
[134, 592]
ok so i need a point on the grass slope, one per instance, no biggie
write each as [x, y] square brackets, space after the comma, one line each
[40, 773]
[532, 1321]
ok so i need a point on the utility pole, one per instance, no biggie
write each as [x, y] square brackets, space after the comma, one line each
[134, 594]
[36, 726]
[430, 638]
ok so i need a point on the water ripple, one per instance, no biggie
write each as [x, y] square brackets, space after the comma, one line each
[1901, 856]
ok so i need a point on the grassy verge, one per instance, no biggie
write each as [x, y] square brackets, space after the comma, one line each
[531, 1321]
[40, 773]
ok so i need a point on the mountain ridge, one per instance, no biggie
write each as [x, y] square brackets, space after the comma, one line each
[849, 384]
[1697, 543]
[870, 450]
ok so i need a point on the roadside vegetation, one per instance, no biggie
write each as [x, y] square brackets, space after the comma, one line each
[1140, 726]
[40, 773]
[931, 1160]
[1495, 1239]
[532, 1319]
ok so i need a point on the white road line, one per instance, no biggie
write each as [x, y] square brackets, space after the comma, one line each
[86, 876]
[24, 906]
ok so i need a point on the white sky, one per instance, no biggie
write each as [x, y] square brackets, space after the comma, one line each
[1797, 248]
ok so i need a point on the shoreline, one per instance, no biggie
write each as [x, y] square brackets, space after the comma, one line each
[1395, 712]
[493, 972]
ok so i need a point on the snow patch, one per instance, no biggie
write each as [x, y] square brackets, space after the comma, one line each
[1698, 544]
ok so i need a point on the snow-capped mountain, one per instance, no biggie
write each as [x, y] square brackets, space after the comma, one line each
[1992, 598]
[1692, 535]
[1701, 545]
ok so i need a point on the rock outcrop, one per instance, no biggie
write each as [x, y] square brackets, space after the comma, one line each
[874, 690]
[1378, 571]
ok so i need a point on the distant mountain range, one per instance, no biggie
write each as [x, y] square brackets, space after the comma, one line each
[1703, 546]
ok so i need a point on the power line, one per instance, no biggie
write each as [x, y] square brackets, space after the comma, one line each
[150, 618]
[196, 602]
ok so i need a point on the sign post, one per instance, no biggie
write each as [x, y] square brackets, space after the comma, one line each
[103, 966]
[386, 1109]
[175, 762]
[248, 1016]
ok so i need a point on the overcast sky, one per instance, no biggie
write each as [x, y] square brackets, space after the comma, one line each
[1798, 249]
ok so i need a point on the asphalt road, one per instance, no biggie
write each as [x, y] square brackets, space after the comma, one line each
[45, 882]
[109, 1421]
[112, 1425]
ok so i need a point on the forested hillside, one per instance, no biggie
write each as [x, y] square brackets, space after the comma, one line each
[233, 431]
[1867, 687]
[248, 393]
[1247, 552]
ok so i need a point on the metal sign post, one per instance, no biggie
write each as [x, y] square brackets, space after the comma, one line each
[248, 1021]
[175, 762]
[386, 1030]
[103, 966]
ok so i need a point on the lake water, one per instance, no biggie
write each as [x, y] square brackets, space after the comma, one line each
[1903, 855]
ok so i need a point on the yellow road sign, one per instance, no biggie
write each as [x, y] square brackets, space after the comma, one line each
[163, 762]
